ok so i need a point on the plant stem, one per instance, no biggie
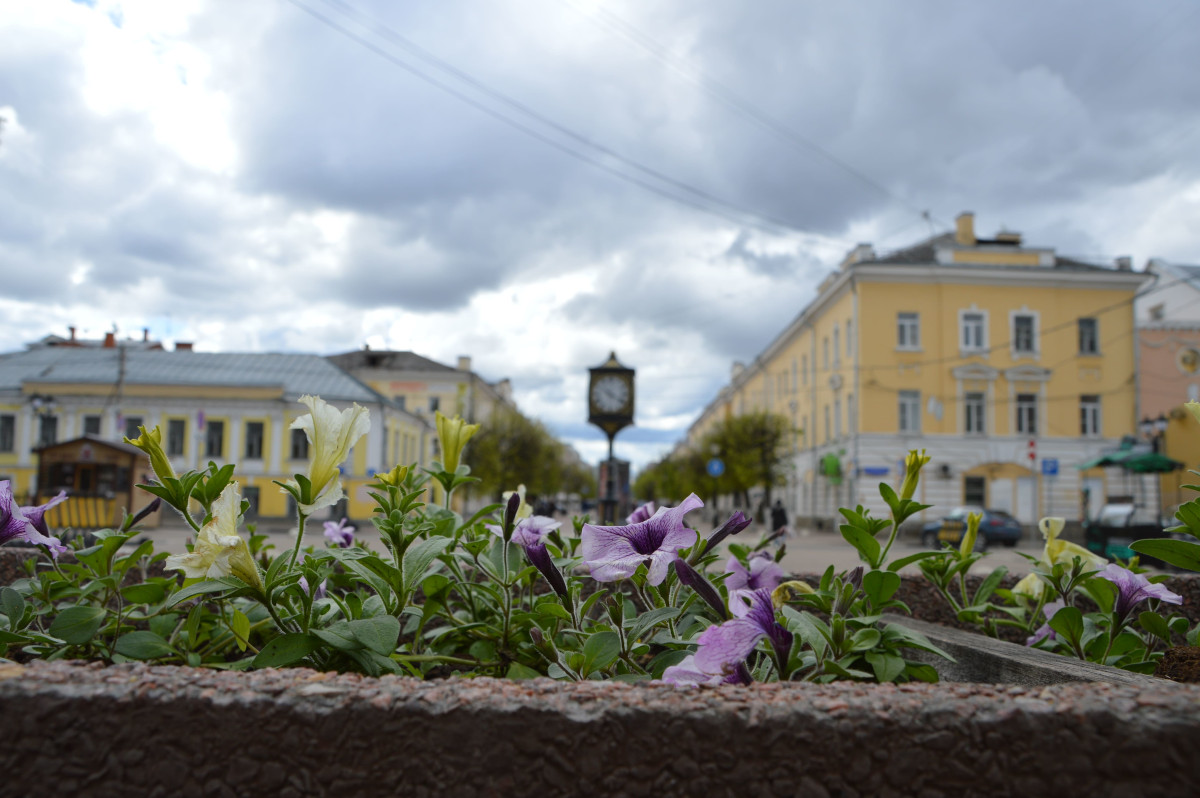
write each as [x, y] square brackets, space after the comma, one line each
[300, 519]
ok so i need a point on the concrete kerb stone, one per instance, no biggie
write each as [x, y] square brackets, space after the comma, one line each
[88, 730]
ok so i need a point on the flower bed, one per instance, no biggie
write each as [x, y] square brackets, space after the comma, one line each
[87, 730]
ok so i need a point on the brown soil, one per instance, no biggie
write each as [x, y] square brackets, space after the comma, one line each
[1180, 664]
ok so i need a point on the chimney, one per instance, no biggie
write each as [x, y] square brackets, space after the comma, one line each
[862, 252]
[145, 335]
[110, 340]
[964, 233]
[72, 329]
[1124, 263]
[464, 362]
[183, 346]
[1008, 237]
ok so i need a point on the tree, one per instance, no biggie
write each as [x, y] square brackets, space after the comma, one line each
[755, 448]
[511, 449]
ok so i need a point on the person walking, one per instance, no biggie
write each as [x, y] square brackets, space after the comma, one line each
[779, 517]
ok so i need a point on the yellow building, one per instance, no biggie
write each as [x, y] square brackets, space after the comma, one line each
[1009, 364]
[222, 407]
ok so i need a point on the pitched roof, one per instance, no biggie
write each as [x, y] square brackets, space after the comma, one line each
[295, 374]
[387, 359]
[925, 252]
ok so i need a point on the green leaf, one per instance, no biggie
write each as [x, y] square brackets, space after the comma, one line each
[921, 672]
[518, 671]
[142, 645]
[880, 586]
[913, 639]
[286, 650]
[1068, 622]
[554, 610]
[193, 625]
[1155, 624]
[896, 565]
[648, 620]
[600, 651]
[77, 625]
[865, 639]
[837, 669]
[889, 497]
[339, 636]
[864, 542]
[989, 585]
[13, 605]
[666, 659]
[379, 634]
[145, 593]
[207, 586]
[1180, 553]
[418, 556]
[239, 624]
[887, 667]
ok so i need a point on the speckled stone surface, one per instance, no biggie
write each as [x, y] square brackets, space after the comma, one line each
[73, 729]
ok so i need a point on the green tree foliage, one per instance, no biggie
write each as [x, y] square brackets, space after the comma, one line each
[511, 449]
[754, 448]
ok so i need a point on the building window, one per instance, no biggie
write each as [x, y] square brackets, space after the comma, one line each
[1089, 338]
[794, 383]
[825, 353]
[975, 491]
[214, 439]
[1026, 414]
[973, 335]
[176, 429]
[299, 448]
[1089, 416]
[8, 433]
[1024, 334]
[837, 348]
[828, 437]
[91, 425]
[400, 401]
[908, 331]
[251, 495]
[849, 338]
[434, 403]
[850, 413]
[973, 405]
[910, 411]
[837, 418]
[131, 426]
[254, 440]
[47, 430]
[804, 368]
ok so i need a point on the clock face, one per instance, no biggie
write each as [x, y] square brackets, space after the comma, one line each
[610, 394]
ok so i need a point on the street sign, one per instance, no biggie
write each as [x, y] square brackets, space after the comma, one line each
[715, 467]
[1032, 450]
[1049, 467]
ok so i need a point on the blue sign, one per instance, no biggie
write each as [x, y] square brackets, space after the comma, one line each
[875, 471]
[1049, 467]
[715, 467]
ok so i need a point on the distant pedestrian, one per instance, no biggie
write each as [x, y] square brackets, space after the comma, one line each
[779, 517]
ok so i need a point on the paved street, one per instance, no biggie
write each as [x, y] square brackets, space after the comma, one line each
[807, 551]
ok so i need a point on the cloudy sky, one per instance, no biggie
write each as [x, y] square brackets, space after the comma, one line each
[537, 182]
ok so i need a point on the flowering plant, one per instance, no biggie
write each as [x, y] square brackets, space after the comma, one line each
[503, 592]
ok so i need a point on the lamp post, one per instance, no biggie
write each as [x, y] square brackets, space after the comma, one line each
[1155, 430]
[610, 407]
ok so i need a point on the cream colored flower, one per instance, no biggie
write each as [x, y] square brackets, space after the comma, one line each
[913, 464]
[454, 434]
[523, 509]
[1055, 551]
[220, 550]
[331, 433]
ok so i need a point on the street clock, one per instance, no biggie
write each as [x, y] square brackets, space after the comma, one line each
[610, 396]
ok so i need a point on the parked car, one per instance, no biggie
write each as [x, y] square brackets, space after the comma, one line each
[997, 526]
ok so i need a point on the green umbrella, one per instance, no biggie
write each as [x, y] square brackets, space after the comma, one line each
[1149, 463]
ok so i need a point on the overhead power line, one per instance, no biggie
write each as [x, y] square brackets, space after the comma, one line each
[732, 99]
[699, 199]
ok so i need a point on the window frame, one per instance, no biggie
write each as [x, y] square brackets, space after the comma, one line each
[1025, 406]
[908, 322]
[1089, 411]
[8, 432]
[1092, 338]
[173, 425]
[247, 439]
[908, 422]
[1034, 334]
[216, 451]
[975, 409]
[298, 445]
[976, 315]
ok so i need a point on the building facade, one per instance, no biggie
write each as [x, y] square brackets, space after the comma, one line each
[219, 407]
[1008, 363]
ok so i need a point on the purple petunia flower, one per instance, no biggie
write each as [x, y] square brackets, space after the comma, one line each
[1134, 588]
[733, 525]
[1044, 631]
[530, 534]
[321, 588]
[643, 513]
[763, 572]
[615, 552]
[339, 533]
[722, 648]
[687, 674]
[28, 523]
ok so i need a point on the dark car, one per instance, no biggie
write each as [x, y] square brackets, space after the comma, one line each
[997, 526]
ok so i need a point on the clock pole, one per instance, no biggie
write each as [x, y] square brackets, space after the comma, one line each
[610, 407]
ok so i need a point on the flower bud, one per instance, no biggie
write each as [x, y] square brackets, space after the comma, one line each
[393, 478]
[967, 544]
[453, 434]
[913, 464]
[150, 442]
[788, 591]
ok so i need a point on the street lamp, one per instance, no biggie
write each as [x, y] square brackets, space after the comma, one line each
[1154, 429]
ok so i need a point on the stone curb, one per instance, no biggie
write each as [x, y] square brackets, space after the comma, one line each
[75, 729]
